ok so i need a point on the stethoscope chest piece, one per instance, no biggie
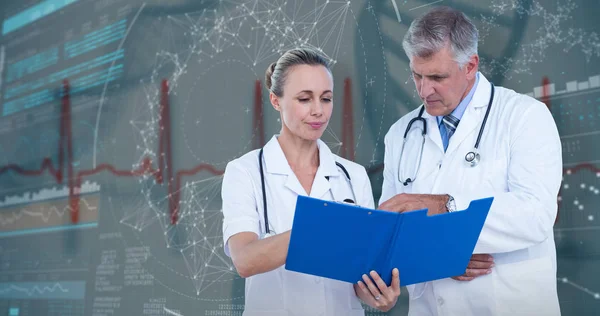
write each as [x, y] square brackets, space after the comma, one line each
[472, 158]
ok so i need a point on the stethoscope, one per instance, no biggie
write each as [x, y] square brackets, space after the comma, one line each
[472, 157]
[264, 192]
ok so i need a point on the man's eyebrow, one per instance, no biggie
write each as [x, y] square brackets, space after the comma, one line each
[435, 75]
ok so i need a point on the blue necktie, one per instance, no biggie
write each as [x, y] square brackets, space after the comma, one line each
[450, 122]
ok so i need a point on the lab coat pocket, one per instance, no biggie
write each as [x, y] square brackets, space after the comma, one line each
[496, 174]
[422, 182]
[489, 176]
[526, 288]
[265, 291]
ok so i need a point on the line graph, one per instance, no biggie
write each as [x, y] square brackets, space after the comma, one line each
[43, 290]
[51, 215]
[43, 214]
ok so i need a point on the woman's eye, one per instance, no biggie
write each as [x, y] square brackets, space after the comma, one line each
[327, 100]
[304, 99]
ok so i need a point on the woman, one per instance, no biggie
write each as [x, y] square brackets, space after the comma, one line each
[295, 162]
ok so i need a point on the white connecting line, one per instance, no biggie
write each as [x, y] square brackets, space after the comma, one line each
[170, 312]
[397, 12]
[579, 287]
[421, 6]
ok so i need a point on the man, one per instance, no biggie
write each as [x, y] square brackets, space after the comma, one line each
[519, 163]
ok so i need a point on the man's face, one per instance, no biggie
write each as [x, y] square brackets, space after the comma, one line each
[441, 83]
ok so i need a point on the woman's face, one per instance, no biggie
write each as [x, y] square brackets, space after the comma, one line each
[307, 101]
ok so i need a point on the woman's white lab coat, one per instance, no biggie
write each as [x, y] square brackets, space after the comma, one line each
[521, 167]
[281, 292]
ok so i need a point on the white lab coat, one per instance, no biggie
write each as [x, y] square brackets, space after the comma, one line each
[521, 167]
[281, 292]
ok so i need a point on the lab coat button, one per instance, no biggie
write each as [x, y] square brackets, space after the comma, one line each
[317, 280]
[440, 301]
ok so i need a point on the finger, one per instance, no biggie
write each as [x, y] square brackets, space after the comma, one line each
[396, 282]
[372, 288]
[477, 272]
[394, 204]
[382, 287]
[367, 293]
[399, 207]
[386, 206]
[414, 206]
[480, 265]
[482, 257]
[391, 205]
[364, 288]
[463, 278]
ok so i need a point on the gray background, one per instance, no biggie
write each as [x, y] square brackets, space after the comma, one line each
[212, 53]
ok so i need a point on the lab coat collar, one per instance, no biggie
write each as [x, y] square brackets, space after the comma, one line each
[276, 163]
[482, 93]
[274, 159]
[473, 115]
[433, 131]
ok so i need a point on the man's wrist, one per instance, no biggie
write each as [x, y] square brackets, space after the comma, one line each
[450, 204]
[442, 200]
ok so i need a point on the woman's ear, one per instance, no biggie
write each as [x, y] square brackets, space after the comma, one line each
[274, 101]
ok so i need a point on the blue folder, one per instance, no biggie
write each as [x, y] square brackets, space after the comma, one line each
[342, 241]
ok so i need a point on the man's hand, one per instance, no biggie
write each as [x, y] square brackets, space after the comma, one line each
[479, 265]
[404, 202]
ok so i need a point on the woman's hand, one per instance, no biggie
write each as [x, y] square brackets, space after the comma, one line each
[377, 294]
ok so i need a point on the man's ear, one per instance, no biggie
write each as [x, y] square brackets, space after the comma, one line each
[274, 101]
[472, 67]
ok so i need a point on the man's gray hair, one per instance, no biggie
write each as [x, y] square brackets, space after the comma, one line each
[431, 32]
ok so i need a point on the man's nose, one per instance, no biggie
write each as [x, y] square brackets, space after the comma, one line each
[426, 88]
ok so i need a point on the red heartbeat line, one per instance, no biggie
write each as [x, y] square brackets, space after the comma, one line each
[165, 156]
[165, 159]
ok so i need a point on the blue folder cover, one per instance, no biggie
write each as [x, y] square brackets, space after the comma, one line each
[342, 241]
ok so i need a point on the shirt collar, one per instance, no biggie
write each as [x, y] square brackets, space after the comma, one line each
[462, 106]
[275, 161]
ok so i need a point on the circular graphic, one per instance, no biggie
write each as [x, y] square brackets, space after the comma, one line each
[195, 110]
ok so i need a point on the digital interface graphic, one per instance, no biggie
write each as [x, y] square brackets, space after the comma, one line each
[118, 117]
